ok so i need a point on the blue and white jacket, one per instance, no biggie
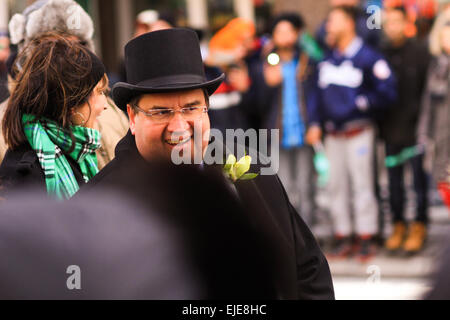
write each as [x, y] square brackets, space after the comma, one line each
[350, 88]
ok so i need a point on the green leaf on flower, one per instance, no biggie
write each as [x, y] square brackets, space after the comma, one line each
[249, 176]
[238, 170]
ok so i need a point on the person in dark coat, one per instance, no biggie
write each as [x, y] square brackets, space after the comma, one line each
[94, 248]
[289, 77]
[49, 121]
[157, 131]
[133, 241]
[409, 59]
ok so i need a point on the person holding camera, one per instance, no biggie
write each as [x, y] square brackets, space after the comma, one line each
[286, 69]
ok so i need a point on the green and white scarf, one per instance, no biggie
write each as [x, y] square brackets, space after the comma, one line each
[49, 141]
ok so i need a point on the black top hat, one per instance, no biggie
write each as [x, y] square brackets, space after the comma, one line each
[163, 61]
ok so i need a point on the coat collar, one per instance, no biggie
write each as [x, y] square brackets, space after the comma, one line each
[126, 145]
[126, 148]
[352, 49]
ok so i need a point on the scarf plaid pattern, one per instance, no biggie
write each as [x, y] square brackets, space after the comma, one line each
[49, 141]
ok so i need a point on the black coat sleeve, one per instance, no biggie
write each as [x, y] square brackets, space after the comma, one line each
[20, 169]
[314, 280]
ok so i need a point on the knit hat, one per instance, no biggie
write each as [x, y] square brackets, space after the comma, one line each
[232, 35]
[43, 16]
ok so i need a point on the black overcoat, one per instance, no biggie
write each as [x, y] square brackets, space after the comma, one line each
[305, 272]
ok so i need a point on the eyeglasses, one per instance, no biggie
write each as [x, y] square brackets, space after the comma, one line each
[165, 115]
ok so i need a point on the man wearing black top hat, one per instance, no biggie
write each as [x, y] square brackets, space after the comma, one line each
[166, 97]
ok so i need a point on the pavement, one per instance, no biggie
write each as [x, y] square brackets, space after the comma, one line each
[387, 276]
[387, 289]
[400, 265]
[391, 276]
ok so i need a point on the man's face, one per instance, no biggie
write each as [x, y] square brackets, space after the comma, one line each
[394, 25]
[338, 24]
[285, 36]
[159, 139]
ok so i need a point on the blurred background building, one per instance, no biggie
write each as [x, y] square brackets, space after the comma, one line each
[115, 19]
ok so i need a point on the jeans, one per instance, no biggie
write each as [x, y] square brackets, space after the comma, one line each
[397, 187]
[297, 175]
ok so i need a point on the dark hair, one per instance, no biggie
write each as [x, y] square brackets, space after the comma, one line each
[349, 11]
[56, 75]
[293, 18]
[400, 8]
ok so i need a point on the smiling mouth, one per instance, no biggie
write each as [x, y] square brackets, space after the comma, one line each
[179, 142]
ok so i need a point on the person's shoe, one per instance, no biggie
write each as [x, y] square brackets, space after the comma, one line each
[342, 248]
[367, 249]
[395, 241]
[416, 237]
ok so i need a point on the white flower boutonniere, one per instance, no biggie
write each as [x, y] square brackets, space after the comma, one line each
[237, 170]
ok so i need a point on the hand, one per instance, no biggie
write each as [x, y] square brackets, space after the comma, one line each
[314, 135]
[239, 79]
[273, 75]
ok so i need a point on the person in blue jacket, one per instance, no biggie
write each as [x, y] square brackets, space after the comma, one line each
[371, 35]
[287, 71]
[354, 82]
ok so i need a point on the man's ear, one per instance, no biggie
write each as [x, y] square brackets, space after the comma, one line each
[131, 116]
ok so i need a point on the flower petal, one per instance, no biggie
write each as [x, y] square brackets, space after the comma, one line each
[243, 166]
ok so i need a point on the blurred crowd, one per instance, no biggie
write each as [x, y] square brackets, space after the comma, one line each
[334, 95]
[339, 93]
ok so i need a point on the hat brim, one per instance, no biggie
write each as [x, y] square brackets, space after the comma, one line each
[124, 92]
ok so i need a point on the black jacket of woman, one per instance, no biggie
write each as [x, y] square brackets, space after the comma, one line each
[21, 169]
